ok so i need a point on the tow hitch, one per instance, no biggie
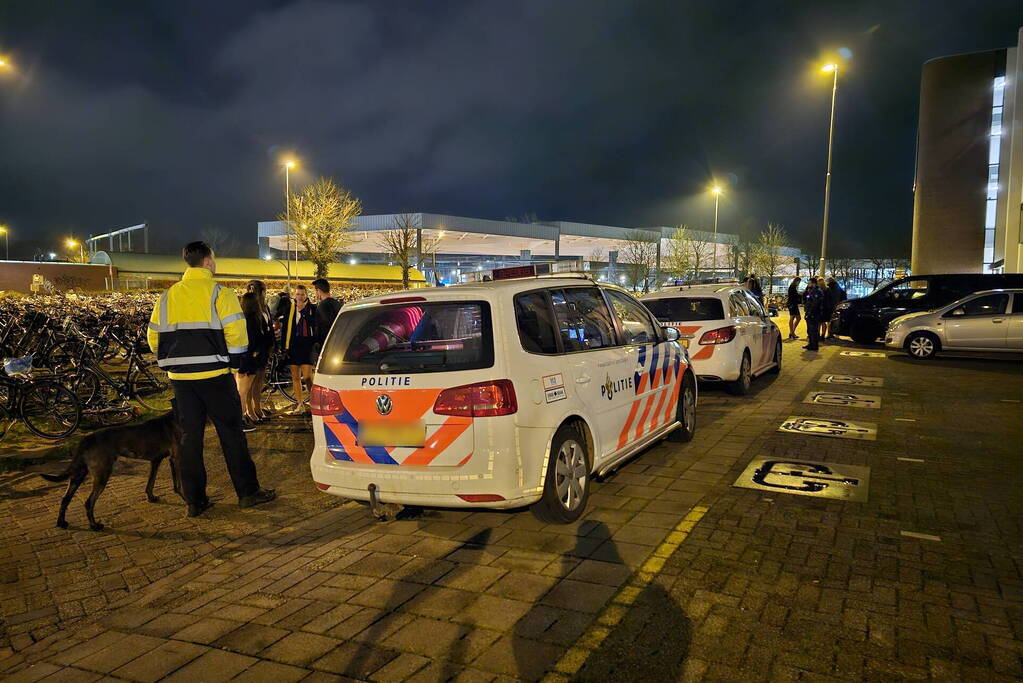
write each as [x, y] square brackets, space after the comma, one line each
[387, 512]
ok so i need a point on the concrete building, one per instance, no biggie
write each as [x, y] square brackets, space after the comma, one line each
[969, 166]
[466, 244]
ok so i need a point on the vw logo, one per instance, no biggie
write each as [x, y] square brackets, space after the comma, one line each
[384, 404]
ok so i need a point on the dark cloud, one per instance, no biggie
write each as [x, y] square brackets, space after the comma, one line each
[611, 112]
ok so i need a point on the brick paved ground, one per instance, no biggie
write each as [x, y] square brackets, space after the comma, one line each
[766, 586]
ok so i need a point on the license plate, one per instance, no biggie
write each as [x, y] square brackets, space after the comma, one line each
[407, 434]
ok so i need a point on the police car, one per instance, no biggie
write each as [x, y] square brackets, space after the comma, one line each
[499, 394]
[731, 338]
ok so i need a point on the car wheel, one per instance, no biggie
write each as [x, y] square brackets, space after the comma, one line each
[686, 411]
[567, 484]
[865, 332]
[922, 345]
[740, 387]
[777, 359]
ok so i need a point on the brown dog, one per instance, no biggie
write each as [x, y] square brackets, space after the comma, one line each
[152, 440]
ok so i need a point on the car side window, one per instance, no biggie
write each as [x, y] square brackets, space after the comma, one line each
[584, 321]
[754, 305]
[739, 304]
[1017, 302]
[637, 327]
[537, 328]
[992, 304]
[907, 291]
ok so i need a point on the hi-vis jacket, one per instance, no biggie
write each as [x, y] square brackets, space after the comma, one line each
[197, 329]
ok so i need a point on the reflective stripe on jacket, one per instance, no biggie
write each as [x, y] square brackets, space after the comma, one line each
[197, 329]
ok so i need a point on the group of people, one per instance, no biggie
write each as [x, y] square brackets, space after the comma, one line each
[202, 334]
[818, 299]
[294, 325]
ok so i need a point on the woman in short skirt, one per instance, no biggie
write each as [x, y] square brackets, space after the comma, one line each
[299, 336]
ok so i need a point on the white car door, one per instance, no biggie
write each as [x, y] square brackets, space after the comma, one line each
[599, 365]
[1014, 323]
[978, 323]
[748, 328]
[763, 321]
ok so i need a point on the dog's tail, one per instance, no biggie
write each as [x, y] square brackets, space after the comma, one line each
[63, 476]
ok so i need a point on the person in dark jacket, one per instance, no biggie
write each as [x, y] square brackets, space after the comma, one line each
[813, 308]
[792, 303]
[327, 308]
[835, 296]
[258, 287]
[253, 363]
[753, 285]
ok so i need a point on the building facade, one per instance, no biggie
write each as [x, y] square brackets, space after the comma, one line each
[968, 190]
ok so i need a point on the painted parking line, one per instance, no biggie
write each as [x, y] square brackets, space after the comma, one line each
[863, 354]
[910, 459]
[842, 399]
[922, 537]
[834, 429]
[1009, 400]
[904, 419]
[615, 610]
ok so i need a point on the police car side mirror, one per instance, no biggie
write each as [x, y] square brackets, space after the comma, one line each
[671, 334]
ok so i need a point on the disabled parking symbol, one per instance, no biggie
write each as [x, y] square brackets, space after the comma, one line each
[802, 478]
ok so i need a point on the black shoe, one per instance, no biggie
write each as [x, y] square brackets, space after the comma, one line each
[257, 498]
[197, 509]
[248, 425]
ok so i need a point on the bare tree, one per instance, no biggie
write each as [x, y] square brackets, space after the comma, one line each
[402, 244]
[879, 271]
[221, 241]
[321, 222]
[842, 270]
[687, 255]
[768, 258]
[809, 263]
[638, 256]
[743, 253]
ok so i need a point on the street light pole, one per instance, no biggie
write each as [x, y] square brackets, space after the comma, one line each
[288, 165]
[833, 68]
[7, 243]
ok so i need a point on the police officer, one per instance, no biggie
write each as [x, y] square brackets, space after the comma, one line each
[197, 331]
[813, 311]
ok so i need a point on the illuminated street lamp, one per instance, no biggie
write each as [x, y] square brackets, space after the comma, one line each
[830, 68]
[71, 243]
[716, 191]
[288, 165]
[7, 242]
[5, 64]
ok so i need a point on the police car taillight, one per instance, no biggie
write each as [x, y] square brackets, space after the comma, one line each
[483, 399]
[324, 401]
[721, 335]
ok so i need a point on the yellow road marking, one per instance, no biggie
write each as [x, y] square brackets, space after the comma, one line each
[616, 609]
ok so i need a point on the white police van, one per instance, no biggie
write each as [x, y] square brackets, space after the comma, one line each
[496, 394]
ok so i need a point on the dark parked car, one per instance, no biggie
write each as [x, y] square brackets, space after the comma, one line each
[867, 318]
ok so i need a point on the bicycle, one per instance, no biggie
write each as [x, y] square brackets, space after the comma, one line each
[47, 408]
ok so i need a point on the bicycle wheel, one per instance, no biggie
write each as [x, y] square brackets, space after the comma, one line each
[150, 391]
[50, 410]
[86, 384]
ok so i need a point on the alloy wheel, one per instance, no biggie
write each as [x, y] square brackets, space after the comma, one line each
[570, 474]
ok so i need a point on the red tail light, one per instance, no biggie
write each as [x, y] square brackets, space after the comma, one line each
[483, 399]
[721, 335]
[480, 497]
[324, 401]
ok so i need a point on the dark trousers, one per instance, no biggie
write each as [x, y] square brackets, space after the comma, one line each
[216, 398]
[813, 333]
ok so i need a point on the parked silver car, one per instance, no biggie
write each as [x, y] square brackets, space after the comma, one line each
[991, 320]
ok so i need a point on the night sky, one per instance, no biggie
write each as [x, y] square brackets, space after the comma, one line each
[619, 113]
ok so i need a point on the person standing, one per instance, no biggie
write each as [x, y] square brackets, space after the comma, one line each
[327, 308]
[197, 331]
[298, 337]
[822, 284]
[258, 287]
[253, 363]
[792, 303]
[753, 285]
[813, 302]
[836, 295]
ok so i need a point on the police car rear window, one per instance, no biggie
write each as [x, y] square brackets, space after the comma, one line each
[686, 308]
[409, 339]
